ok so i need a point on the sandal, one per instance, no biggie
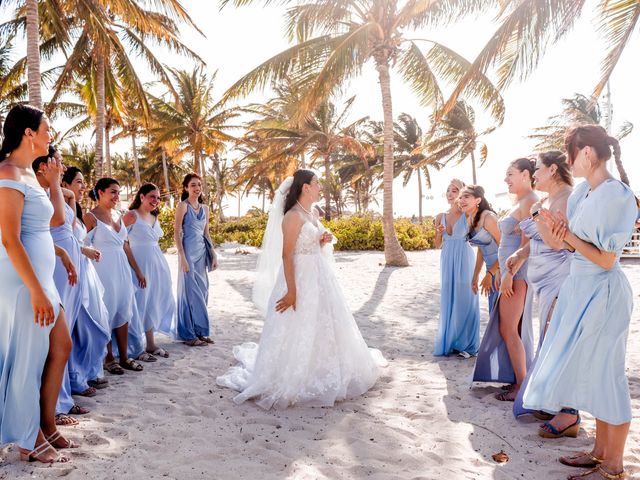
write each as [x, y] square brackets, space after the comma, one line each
[570, 461]
[196, 342]
[34, 455]
[78, 410]
[206, 340]
[63, 420]
[507, 395]
[508, 387]
[132, 365]
[99, 383]
[159, 352]
[601, 472]
[55, 436]
[113, 368]
[89, 392]
[146, 357]
[549, 431]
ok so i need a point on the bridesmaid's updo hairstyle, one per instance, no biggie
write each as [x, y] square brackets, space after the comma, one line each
[185, 183]
[559, 159]
[68, 177]
[476, 191]
[144, 190]
[101, 186]
[527, 164]
[300, 179]
[18, 120]
[596, 137]
[35, 165]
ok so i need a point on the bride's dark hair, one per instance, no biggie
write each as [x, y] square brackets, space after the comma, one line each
[300, 178]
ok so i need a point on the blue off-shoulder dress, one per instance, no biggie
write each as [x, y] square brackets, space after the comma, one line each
[24, 345]
[459, 329]
[489, 248]
[581, 363]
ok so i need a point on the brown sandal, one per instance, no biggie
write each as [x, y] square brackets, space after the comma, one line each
[196, 342]
[63, 420]
[78, 410]
[113, 368]
[601, 472]
[507, 395]
[570, 460]
[206, 340]
[131, 364]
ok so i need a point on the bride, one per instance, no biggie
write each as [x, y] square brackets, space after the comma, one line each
[311, 351]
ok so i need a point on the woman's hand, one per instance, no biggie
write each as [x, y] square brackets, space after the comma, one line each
[487, 284]
[440, 229]
[68, 265]
[42, 309]
[184, 265]
[506, 288]
[325, 238]
[91, 253]
[53, 171]
[289, 300]
[215, 262]
[474, 284]
[141, 280]
[514, 263]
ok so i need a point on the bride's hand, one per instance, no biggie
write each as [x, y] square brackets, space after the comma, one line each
[289, 300]
[326, 238]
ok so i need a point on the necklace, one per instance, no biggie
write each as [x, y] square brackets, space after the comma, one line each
[307, 211]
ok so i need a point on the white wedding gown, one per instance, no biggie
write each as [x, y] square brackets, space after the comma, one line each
[314, 355]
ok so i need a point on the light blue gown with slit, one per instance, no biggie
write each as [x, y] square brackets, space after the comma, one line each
[156, 304]
[119, 293]
[493, 363]
[489, 248]
[547, 271]
[581, 364]
[193, 286]
[459, 329]
[24, 345]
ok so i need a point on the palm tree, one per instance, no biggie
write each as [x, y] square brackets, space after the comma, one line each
[337, 38]
[455, 138]
[527, 27]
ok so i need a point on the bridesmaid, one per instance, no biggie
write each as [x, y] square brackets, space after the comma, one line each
[34, 339]
[114, 270]
[548, 262]
[156, 305]
[507, 344]
[191, 231]
[92, 331]
[485, 234]
[459, 330]
[581, 364]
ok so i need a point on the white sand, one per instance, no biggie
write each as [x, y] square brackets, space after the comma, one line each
[420, 421]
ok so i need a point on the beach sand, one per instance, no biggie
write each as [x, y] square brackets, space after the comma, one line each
[420, 421]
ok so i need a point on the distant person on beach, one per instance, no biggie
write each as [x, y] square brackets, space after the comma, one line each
[311, 351]
[507, 344]
[459, 328]
[581, 364]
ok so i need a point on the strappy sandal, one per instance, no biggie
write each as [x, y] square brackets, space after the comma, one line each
[99, 383]
[159, 352]
[549, 431]
[132, 365]
[55, 436]
[601, 472]
[113, 368]
[34, 455]
[570, 460]
[206, 340]
[146, 357]
[196, 342]
[89, 392]
[63, 420]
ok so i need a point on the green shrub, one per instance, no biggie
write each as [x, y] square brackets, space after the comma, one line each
[166, 219]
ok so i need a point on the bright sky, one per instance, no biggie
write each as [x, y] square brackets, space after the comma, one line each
[237, 40]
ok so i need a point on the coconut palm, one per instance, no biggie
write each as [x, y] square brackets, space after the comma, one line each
[336, 38]
[454, 138]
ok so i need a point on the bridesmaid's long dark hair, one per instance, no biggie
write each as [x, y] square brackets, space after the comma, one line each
[144, 190]
[18, 120]
[476, 191]
[185, 183]
[68, 177]
[300, 178]
[101, 186]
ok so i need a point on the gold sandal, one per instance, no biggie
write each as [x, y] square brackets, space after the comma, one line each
[600, 471]
[593, 461]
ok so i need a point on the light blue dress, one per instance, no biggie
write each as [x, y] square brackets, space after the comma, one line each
[156, 304]
[581, 363]
[547, 271]
[489, 248]
[193, 286]
[493, 363]
[24, 346]
[90, 337]
[115, 274]
[459, 329]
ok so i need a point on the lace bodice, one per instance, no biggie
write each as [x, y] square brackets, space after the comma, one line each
[308, 242]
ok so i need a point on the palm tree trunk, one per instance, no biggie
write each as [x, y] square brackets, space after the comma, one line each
[393, 253]
[219, 187]
[165, 171]
[419, 196]
[107, 150]
[136, 166]
[473, 167]
[100, 113]
[33, 54]
[327, 187]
